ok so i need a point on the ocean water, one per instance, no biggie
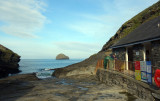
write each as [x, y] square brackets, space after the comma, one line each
[42, 66]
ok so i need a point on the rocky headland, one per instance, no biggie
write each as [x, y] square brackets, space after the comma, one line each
[8, 62]
[62, 57]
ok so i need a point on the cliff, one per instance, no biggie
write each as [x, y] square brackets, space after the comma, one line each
[88, 65]
[144, 16]
[8, 62]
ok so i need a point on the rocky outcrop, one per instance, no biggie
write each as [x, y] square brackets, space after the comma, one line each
[61, 57]
[85, 67]
[8, 62]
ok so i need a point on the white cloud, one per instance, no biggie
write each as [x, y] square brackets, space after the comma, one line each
[77, 49]
[115, 13]
[97, 26]
[103, 18]
[30, 49]
[21, 17]
[80, 46]
[91, 29]
[39, 50]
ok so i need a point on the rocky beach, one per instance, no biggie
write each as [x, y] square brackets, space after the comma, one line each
[28, 87]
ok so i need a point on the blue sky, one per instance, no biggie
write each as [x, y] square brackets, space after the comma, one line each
[41, 29]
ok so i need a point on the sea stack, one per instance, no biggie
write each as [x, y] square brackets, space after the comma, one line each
[62, 57]
[8, 62]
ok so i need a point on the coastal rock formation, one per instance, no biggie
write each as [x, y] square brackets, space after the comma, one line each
[8, 62]
[85, 67]
[61, 57]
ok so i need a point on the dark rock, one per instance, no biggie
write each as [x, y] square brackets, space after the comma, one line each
[8, 62]
[61, 57]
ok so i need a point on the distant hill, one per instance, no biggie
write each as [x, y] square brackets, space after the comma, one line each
[144, 16]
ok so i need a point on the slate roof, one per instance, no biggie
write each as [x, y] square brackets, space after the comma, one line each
[146, 32]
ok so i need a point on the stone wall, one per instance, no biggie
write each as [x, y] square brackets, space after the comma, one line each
[120, 53]
[156, 54]
[138, 88]
[138, 52]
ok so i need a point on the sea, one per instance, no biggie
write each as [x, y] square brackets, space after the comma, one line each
[43, 67]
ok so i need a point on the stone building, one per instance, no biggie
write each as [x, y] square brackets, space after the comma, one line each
[143, 44]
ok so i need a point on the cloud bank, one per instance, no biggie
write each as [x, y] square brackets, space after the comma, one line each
[76, 49]
[21, 18]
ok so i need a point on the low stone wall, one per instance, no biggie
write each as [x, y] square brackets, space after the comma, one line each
[137, 88]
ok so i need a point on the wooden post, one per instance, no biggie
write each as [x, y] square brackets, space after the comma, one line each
[144, 53]
[126, 58]
[114, 64]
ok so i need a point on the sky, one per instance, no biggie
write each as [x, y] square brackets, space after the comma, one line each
[41, 29]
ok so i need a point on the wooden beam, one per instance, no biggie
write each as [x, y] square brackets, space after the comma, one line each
[126, 58]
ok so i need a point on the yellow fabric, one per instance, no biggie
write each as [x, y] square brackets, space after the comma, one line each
[137, 74]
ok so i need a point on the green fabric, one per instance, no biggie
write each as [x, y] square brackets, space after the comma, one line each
[106, 60]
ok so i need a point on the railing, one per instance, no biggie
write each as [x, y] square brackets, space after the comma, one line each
[117, 65]
[125, 67]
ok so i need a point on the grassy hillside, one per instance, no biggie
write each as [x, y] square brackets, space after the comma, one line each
[146, 15]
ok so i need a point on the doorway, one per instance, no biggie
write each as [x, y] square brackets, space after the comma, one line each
[130, 59]
[148, 56]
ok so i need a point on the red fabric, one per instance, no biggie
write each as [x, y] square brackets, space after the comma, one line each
[137, 65]
[157, 77]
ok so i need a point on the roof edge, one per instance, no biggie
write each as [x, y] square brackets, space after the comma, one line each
[134, 43]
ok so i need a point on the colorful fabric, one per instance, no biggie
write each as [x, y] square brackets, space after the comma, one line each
[143, 66]
[157, 77]
[143, 69]
[138, 74]
[149, 78]
[149, 67]
[137, 65]
[106, 60]
[143, 76]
